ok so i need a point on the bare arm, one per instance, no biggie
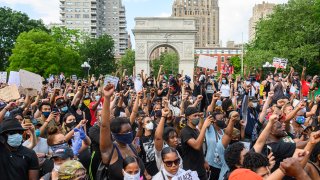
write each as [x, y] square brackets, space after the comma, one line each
[197, 143]
[135, 108]
[158, 140]
[226, 138]
[258, 146]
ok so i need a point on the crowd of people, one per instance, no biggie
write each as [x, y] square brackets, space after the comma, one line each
[212, 126]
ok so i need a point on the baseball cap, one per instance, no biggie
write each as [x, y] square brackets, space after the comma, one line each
[69, 168]
[63, 153]
[190, 111]
[247, 174]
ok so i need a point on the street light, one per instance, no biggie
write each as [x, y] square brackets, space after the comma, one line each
[86, 67]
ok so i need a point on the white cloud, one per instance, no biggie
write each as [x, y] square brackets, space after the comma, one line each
[47, 10]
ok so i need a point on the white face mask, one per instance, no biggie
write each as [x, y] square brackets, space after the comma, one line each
[174, 103]
[150, 126]
[56, 167]
[122, 114]
[254, 104]
[127, 176]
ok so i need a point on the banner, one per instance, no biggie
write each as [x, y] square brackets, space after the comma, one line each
[280, 63]
[3, 77]
[30, 80]
[207, 62]
[111, 79]
[187, 175]
[9, 93]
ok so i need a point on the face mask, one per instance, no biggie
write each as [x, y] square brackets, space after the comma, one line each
[37, 132]
[71, 125]
[79, 107]
[158, 113]
[46, 114]
[221, 124]
[254, 104]
[14, 140]
[124, 138]
[56, 167]
[195, 122]
[219, 103]
[87, 97]
[224, 81]
[127, 176]
[59, 146]
[149, 82]
[138, 78]
[149, 126]
[64, 109]
[228, 112]
[97, 98]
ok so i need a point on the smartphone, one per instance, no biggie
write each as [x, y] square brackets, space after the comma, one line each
[269, 150]
[27, 121]
[55, 110]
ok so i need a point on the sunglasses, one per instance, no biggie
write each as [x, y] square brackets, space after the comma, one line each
[170, 163]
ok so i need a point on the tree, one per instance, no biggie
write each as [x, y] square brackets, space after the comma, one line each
[39, 52]
[71, 38]
[292, 32]
[12, 23]
[99, 54]
[236, 63]
[170, 62]
[127, 61]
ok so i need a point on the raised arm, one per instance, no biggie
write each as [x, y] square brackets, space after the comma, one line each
[266, 106]
[135, 107]
[105, 132]
[158, 140]
[226, 138]
[258, 146]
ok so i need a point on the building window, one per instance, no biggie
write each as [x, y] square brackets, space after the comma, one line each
[222, 58]
[77, 16]
[86, 16]
[77, 10]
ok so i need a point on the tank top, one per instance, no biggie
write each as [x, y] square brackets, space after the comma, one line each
[115, 169]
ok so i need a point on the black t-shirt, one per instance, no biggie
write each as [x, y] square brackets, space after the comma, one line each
[281, 150]
[192, 159]
[147, 154]
[16, 164]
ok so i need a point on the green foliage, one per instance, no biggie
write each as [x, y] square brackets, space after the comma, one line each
[41, 53]
[98, 52]
[127, 61]
[236, 62]
[12, 23]
[292, 32]
[170, 62]
[71, 38]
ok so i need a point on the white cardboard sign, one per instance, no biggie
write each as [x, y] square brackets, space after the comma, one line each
[187, 175]
[207, 62]
[30, 80]
[280, 63]
[111, 79]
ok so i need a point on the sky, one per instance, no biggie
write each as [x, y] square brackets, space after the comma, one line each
[234, 14]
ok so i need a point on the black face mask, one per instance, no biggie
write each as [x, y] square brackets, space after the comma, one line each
[221, 124]
[158, 113]
[71, 125]
[228, 112]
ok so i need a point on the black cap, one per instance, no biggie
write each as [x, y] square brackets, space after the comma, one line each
[63, 153]
[190, 111]
[11, 124]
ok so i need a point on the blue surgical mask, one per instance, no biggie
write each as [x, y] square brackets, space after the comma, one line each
[97, 98]
[46, 114]
[219, 103]
[64, 109]
[7, 114]
[37, 132]
[224, 81]
[124, 138]
[14, 140]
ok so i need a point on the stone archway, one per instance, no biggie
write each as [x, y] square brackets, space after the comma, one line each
[153, 32]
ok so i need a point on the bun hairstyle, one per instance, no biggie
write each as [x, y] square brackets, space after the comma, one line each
[52, 132]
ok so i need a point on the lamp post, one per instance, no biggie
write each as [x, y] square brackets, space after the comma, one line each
[86, 67]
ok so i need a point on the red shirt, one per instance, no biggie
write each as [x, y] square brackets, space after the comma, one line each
[93, 112]
[305, 87]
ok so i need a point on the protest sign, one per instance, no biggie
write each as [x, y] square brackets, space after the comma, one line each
[30, 80]
[187, 175]
[111, 79]
[14, 78]
[9, 93]
[74, 77]
[280, 63]
[3, 77]
[207, 62]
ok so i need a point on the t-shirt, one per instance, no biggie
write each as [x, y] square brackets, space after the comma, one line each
[41, 147]
[192, 159]
[305, 87]
[281, 150]
[148, 154]
[16, 164]
[93, 112]
[225, 90]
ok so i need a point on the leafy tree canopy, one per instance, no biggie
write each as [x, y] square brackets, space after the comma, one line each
[12, 23]
[127, 61]
[39, 52]
[170, 62]
[292, 32]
